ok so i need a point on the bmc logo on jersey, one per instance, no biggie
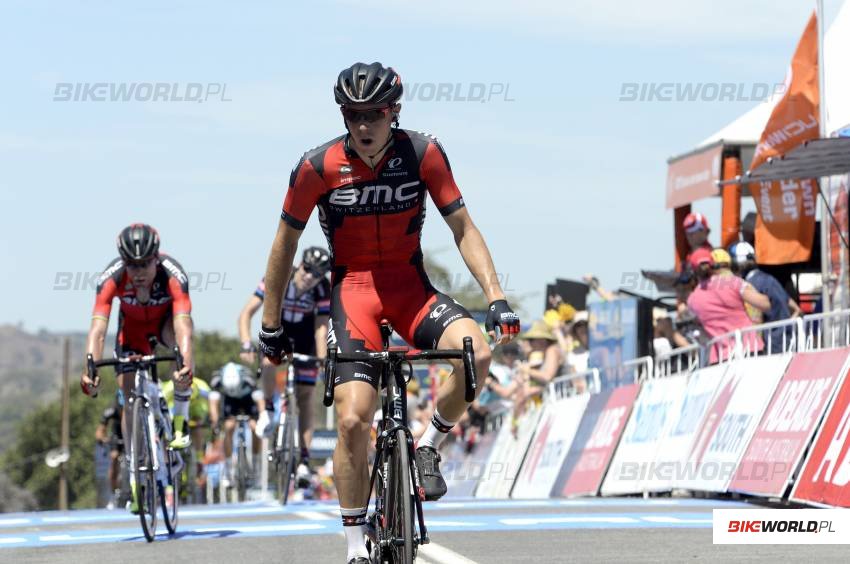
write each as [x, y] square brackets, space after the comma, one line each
[371, 195]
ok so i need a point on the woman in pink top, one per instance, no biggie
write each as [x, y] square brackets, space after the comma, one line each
[718, 303]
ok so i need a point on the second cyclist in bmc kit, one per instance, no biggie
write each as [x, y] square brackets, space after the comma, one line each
[370, 187]
[153, 292]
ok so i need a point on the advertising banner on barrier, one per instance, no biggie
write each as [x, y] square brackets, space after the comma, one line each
[463, 471]
[825, 477]
[670, 463]
[789, 422]
[601, 427]
[731, 420]
[506, 456]
[549, 447]
[655, 409]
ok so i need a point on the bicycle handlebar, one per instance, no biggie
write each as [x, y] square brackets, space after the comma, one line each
[139, 360]
[396, 354]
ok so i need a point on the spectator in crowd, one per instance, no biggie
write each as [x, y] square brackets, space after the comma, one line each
[696, 232]
[666, 337]
[502, 383]
[544, 359]
[593, 282]
[718, 303]
[579, 352]
[782, 306]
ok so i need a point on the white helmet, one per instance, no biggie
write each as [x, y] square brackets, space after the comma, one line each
[232, 377]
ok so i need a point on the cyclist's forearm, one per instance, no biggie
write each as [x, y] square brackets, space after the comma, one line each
[183, 329]
[278, 270]
[97, 337]
[477, 257]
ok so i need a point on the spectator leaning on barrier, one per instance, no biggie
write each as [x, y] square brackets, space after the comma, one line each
[718, 303]
[782, 306]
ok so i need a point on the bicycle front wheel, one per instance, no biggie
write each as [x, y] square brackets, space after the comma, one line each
[169, 492]
[146, 487]
[286, 459]
[399, 502]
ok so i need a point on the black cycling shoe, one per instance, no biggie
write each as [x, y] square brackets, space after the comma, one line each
[428, 462]
[359, 560]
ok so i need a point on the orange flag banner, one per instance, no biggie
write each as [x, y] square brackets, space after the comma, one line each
[785, 227]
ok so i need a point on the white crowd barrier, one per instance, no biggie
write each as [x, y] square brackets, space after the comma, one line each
[770, 421]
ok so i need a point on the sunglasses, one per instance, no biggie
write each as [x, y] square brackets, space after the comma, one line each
[369, 116]
[315, 273]
[139, 265]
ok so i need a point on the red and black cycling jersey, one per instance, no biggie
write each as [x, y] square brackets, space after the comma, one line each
[137, 321]
[372, 217]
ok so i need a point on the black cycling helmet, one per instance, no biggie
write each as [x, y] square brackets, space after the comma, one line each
[367, 84]
[138, 242]
[318, 259]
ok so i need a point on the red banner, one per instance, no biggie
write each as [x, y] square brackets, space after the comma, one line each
[591, 452]
[789, 422]
[825, 478]
[785, 226]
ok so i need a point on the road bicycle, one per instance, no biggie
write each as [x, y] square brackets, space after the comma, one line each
[394, 536]
[155, 465]
[286, 451]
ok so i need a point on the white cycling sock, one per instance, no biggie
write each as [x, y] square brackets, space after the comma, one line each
[181, 404]
[437, 430]
[354, 526]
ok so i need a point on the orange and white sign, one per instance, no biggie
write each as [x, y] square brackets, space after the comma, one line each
[786, 222]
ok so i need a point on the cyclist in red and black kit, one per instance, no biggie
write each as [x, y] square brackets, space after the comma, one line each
[153, 291]
[370, 188]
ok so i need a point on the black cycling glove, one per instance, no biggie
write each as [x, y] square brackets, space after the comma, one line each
[274, 343]
[501, 319]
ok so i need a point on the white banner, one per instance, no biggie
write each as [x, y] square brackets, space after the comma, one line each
[504, 462]
[730, 422]
[655, 410]
[781, 526]
[549, 447]
[671, 460]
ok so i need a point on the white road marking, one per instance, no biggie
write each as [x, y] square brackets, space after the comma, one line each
[544, 520]
[7, 522]
[65, 538]
[313, 515]
[441, 523]
[12, 540]
[262, 528]
[439, 554]
[665, 519]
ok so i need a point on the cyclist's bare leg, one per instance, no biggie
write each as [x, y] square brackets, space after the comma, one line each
[355, 407]
[229, 427]
[114, 469]
[182, 390]
[304, 393]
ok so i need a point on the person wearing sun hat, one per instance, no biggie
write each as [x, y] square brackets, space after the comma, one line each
[544, 359]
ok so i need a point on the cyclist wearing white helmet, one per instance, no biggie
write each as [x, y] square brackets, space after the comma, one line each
[235, 392]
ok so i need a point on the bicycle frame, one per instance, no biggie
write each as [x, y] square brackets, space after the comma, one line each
[394, 413]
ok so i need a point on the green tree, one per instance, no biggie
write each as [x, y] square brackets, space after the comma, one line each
[40, 432]
[212, 351]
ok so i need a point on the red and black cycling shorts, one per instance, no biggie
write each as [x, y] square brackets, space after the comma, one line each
[399, 293]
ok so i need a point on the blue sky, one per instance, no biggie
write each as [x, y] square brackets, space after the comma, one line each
[563, 180]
